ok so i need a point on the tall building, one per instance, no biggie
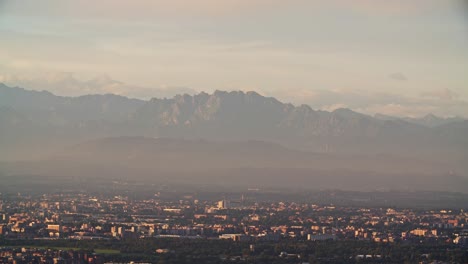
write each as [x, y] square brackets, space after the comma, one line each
[223, 204]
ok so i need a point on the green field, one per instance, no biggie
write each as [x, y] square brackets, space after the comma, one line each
[107, 251]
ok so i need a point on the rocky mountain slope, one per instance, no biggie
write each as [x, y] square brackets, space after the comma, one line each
[33, 124]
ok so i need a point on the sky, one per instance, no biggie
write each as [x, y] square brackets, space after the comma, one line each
[399, 57]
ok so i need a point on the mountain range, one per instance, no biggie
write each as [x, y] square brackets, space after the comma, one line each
[37, 117]
[40, 125]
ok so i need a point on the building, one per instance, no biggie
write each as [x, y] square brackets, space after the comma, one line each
[320, 237]
[235, 237]
[223, 204]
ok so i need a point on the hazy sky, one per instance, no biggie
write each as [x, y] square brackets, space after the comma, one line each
[403, 57]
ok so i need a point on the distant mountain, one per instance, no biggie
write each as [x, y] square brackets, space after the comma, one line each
[428, 120]
[53, 108]
[34, 124]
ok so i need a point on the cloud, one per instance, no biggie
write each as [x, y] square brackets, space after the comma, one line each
[140, 10]
[398, 76]
[66, 84]
[333, 107]
[400, 110]
[397, 7]
[443, 94]
[377, 102]
[145, 9]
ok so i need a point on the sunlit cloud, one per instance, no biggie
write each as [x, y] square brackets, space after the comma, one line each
[66, 84]
[443, 94]
[144, 9]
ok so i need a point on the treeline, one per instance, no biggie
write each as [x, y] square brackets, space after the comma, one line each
[224, 251]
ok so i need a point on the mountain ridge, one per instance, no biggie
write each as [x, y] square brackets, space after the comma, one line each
[39, 123]
[217, 93]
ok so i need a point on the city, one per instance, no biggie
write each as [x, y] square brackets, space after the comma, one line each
[233, 131]
[84, 227]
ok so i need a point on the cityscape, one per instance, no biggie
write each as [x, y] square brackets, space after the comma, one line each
[245, 227]
[233, 131]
